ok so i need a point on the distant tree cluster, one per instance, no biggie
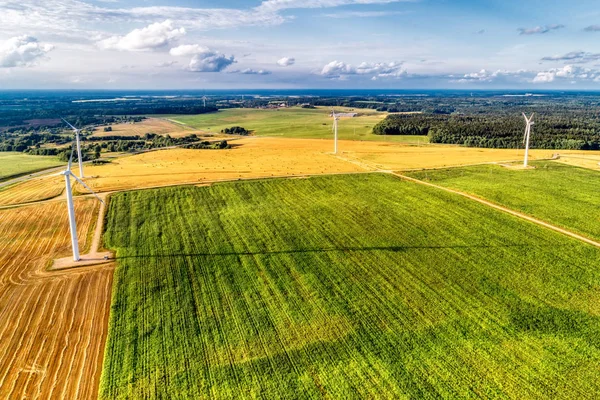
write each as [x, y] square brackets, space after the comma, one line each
[236, 130]
[206, 145]
[403, 124]
[576, 131]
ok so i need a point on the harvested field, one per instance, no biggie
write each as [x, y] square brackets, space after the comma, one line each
[31, 190]
[159, 126]
[560, 194]
[590, 160]
[52, 324]
[264, 157]
[343, 287]
[250, 158]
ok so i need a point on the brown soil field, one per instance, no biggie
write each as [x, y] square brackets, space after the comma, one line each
[53, 324]
[35, 189]
[154, 125]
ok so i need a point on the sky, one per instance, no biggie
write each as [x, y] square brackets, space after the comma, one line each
[296, 44]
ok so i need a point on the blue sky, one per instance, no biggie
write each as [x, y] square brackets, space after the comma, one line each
[191, 44]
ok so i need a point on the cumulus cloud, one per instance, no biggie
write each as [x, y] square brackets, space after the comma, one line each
[578, 57]
[188, 50]
[382, 70]
[540, 29]
[567, 72]
[203, 58]
[490, 76]
[22, 51]
[338, 69]
[286, 61]
[152, 37]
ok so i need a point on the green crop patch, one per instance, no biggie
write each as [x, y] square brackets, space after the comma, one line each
[14, 164]
[355, 286]
[296, 122]
[560, 194]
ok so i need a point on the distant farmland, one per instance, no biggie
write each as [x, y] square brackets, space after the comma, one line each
[15, 164]
[563, 195]
[349, 286]
[295, 122]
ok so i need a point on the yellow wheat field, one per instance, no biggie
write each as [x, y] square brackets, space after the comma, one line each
[35, 189]
[267, 156]
[52, 323]
[149, 125]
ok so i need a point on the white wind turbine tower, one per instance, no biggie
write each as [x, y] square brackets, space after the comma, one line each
[79, 159]
[335, 130]
[529, 122]
[71, 208]
[204, 98]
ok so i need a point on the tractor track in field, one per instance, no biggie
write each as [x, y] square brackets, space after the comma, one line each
[505, 210]
[374, 168]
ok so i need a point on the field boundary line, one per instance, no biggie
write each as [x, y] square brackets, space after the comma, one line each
[503, 209]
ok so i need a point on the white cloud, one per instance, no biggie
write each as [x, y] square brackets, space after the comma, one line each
[286, 61]
[569, 72]
[22, 51]
[489, 76]
[382, 70]
[337, 69]
[204, 59]
[152, 37]
[188, 50]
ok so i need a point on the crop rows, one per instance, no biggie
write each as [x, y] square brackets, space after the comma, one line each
[563, 195]
[52, 323]
[344, 287]
[32, 190]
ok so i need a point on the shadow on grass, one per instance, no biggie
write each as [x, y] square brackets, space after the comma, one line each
[332, 250]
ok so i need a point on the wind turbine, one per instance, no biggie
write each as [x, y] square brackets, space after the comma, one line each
[204, 98]
[335, 130]
[529, 122]
[79, 159]
[72, 223]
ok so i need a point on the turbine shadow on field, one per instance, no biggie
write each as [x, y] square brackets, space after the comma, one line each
[328, 250]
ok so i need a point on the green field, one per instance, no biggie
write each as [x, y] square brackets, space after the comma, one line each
[14, 164]
[357, 286]
[294, 122]
[563, 195]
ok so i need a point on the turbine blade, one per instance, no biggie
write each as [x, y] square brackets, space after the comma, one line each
[67, 122]
[87, 187]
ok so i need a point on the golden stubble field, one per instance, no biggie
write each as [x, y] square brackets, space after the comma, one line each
[257, 157]
[263, 157]
[52, 323]
[36, 189]
[159, 126]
